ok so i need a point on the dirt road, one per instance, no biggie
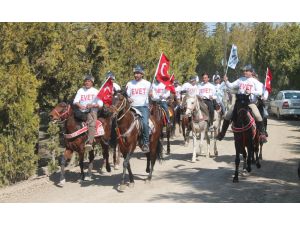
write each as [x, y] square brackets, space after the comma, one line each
[179, 180]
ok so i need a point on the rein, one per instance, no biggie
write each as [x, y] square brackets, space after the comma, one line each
[245, 128]
[60, 115]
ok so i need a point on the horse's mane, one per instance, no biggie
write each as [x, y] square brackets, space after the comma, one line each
[241, 109]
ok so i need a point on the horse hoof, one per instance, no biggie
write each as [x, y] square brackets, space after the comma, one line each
[235, 180]
[61, 183]
[148, 181]
[216, 153]
[116, 167]
[249, 169]
[131, 185]
[122, 187]
[258, 165]
[88, 178]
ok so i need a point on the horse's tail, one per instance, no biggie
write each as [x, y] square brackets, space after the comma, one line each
[159, 152]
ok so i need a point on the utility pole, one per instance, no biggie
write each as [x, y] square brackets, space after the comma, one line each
[225, 48]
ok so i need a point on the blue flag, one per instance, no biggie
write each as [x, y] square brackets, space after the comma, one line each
[233, 58]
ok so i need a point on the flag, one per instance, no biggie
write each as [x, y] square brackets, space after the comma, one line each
[233, 58]
[161, 73]
[106, 92]
[170, 85]
[268, 80]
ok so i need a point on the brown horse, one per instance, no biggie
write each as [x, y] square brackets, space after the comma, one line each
[128, 126]
[64, 114]
[245, 135]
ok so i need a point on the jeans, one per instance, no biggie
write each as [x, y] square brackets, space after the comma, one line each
[145, 118]
[164, 105]
[211, 110]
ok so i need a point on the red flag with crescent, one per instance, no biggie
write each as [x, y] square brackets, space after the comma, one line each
[268, 80]
[162, 70]
[106, 92]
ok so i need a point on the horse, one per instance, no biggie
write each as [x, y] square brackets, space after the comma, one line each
[245, 134]
[129, 131]
[64, 113]
[199, 125]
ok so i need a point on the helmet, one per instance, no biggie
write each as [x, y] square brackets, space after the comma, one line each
[193, 78]
[248, 68]
[138, 69]
[176, 82]
[89, 77]
[254, 73]
[110, 74]
[217, 73]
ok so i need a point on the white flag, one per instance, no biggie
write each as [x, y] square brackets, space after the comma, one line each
[233, 58]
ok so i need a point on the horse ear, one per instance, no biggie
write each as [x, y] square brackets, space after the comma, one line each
[124, 93]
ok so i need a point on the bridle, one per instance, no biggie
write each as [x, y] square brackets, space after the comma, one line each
[63, 116]
[117, 110]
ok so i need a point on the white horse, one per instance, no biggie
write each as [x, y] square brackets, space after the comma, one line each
[200, 126]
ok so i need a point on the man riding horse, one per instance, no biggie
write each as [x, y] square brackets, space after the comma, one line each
[87, 102]
[246, 85]
[138, 93]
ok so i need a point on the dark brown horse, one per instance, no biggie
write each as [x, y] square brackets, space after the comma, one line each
[64, 113]
[245, 135]
[128, 126]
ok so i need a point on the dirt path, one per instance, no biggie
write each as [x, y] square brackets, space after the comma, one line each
[177, 179]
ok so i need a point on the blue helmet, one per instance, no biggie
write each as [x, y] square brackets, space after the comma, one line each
[194, 78]
[110, 74]
[248, 68]
[138, 69]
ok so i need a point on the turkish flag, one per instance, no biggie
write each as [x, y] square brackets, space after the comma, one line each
[162, 70]
[170, 86]
[106, 92]
[268, 80]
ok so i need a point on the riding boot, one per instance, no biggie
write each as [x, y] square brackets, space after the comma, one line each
[261, 128]
[265, 119]
[224, 129]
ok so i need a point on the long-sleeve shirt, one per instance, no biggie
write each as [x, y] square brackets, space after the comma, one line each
[245, 83]
[192, 90]
[159, 91]
[207, 90]
[178, 90]
[138, 91]
[86, 96]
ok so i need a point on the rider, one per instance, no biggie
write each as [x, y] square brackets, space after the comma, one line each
[220, 89]
[160, 94]
[207, 92]
[247, 85]
[86, 100]
[263, 111]
[138, 93]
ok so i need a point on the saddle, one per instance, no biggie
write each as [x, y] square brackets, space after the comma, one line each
[84, 128]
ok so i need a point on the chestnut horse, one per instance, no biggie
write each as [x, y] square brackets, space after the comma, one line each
[64, 113]
[245, 135]
[128, 126]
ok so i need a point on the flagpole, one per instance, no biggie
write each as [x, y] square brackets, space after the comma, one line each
[103, 84]
[156, 69]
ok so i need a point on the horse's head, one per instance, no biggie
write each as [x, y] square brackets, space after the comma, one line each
[119, 103]
[60, 113]
[241, 108]
[191, 105]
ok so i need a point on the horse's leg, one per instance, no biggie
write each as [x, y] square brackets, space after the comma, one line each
[237, 162]
[215, 141]
[168, 128]
[106, 158]
[250, 153]
[91, 160]
[62, 179]
[125, 165]
[148, 163]
[194, 146]
[81, 158]
[260, 151]
[116, 158]
[131, 179]
[208, 144]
